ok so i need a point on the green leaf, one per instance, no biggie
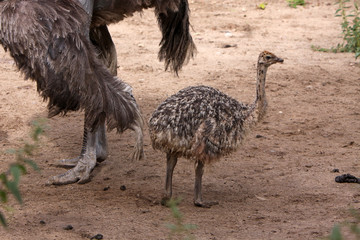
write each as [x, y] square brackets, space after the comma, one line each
[2, 220]
[15, 172]
[336, 233]
[32, 164]
[22, 168]
[3, 196]
[29, 148]
[262, 6]
[190, 226]
[3, 178]
[13, 188]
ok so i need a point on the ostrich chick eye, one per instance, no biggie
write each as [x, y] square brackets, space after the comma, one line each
[268, 57]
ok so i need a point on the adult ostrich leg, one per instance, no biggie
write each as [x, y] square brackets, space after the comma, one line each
[101, 39]
[95, 142]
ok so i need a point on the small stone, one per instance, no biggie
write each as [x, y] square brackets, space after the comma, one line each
[335, 170]
[68, 227]
[97, 236]
[123, 188]
[228, 34]
[42, 222]
[228, 45]
[106, 188]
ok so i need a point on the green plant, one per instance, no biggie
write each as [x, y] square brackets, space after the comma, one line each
[295, 3]
[352, 227]
[9, 180]
[350, 29]
[178, 228]
[262, 5]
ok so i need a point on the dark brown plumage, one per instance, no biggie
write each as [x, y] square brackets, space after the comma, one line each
[176, 45]
[66, 51]
[49, 41]
[203, 124]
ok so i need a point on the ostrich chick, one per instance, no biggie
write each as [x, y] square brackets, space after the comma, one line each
[203, 124]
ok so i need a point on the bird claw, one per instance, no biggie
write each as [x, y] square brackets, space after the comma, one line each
[64, 178]
[138, 154]
[205, 204]
[80, 174]
[68, 163]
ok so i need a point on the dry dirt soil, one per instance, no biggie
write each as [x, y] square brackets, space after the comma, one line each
[277, 186]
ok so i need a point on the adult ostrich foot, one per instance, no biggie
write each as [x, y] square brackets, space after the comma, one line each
[84, 165]
[80, 173]
[100, 144]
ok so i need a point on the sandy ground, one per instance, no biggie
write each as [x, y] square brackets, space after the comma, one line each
[278, 186]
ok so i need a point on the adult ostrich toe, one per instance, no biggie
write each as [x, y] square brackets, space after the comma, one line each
[50, 44]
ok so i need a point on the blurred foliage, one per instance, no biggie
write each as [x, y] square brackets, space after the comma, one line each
[178, 229]
[350, 29]
[351, 228]
[295, 3]
[262, 6]
[9, 180]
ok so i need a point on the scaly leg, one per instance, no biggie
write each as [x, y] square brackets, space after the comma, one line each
[199, 171]
[139, 147]
[100, 144]
[101, 39]
[170, 165]
[81, 172]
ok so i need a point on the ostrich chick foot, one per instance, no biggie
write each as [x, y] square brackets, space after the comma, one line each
[205, 204]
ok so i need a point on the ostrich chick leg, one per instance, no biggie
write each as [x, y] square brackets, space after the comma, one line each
[100, 143]
[170, 165]
[199, 171]
[86, 163]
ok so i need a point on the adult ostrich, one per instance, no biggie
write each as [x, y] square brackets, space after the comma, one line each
[49, 41]
[176, 45]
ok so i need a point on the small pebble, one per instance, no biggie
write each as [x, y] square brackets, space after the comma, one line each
[106, 188]
[98, 236]
[42, 222]
[335, 170]
[123, 188]
[228, 45]
[68, 227]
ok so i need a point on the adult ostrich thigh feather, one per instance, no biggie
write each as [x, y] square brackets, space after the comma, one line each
[49, 41]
